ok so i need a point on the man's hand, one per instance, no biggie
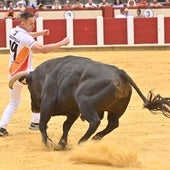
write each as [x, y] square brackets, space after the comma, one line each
[65, 41]
[45, 32]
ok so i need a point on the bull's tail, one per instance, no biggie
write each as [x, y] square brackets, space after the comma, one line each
[153, 102]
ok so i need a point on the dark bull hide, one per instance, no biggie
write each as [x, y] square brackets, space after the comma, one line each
[76, 86]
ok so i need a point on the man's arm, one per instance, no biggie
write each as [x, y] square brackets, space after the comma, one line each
[50, 47]
[40, 33]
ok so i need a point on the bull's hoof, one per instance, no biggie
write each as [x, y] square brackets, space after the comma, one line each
[54, 147]
[97, 137]
[50, 144]
[59, 147]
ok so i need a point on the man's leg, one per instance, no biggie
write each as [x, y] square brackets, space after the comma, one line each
[15, 95]
[35, 121]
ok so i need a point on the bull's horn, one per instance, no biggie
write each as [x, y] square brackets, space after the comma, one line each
[16, 77]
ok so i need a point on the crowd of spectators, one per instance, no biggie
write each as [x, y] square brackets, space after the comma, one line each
[21, 5]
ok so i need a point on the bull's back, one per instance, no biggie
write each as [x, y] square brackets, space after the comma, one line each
[74, 73]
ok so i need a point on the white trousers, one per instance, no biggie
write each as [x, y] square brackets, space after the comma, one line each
[15, 98]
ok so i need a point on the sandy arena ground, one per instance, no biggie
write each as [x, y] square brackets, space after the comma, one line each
[142, 141]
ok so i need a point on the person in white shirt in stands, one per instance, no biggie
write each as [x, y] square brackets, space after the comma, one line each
[2, 7]
[104, 3]
[131, 3]
[167, 3]
[11, 5]
[126, 12]
[21, 6]
[118, 4]
[122, 13]
[33, 3]
[155, 3]
[77, 5]
[90, 4]
[56, 5]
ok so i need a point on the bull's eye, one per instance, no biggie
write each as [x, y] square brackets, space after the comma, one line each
[23, 80]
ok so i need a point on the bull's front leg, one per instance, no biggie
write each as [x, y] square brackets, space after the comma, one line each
[71, 118]
[44, 118]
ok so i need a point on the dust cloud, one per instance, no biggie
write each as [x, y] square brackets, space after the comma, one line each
[105, 153]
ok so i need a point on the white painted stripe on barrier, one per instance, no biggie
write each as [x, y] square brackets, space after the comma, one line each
[161, 29]
[39, 27]
[130, 30]
[69, 29]
[8, 23]
[100, 32]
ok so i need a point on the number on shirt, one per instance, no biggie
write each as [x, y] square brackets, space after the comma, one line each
[13, 47]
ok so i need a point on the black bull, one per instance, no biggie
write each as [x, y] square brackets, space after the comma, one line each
[77, 86]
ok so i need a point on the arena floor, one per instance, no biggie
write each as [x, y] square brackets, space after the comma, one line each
[142, 140]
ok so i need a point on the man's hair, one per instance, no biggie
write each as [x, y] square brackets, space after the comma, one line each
[26, 14]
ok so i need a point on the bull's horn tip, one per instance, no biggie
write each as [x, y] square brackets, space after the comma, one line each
[10, 87]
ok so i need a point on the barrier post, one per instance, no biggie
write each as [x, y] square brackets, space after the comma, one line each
[39, 27]
[69, 29]
[130, 30]
[8, 25]
[161, 29]
[100, 32]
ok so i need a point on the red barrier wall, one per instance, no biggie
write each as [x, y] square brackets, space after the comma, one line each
[15, 23]
[167, 30]
[145, 30]
[85, 31]
[115, 31]
[57, 30]
[2, 33]
[108, 12]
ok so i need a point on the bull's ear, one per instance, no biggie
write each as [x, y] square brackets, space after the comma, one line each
[25, 80]
[22, 80]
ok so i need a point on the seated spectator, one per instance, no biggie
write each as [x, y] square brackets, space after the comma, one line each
[90, 4]
[10, 14]
[77, 5]
[2, 6]
[155, 3]
[104, 3]
[131, 3]
[21, 5]
[167, 3]
[142, 3]
[117, 4]
[32, 3]
[139, 13]
[41, 6]
[126, 12]
[11, 5]
[122, 13]
[56, 5]
[67, 5]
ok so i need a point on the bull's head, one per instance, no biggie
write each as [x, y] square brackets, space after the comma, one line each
[26, 78]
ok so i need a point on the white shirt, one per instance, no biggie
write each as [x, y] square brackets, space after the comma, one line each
[93, 5]
[21, 43]
[120, 16]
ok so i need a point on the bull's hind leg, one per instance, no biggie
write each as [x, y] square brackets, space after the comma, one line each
[113, 123]
[115, 112]
[89, 114]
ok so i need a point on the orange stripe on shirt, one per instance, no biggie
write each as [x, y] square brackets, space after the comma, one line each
[21, 62]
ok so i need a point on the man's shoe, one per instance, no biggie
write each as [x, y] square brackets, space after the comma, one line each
[34, 126]
[3, 132]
